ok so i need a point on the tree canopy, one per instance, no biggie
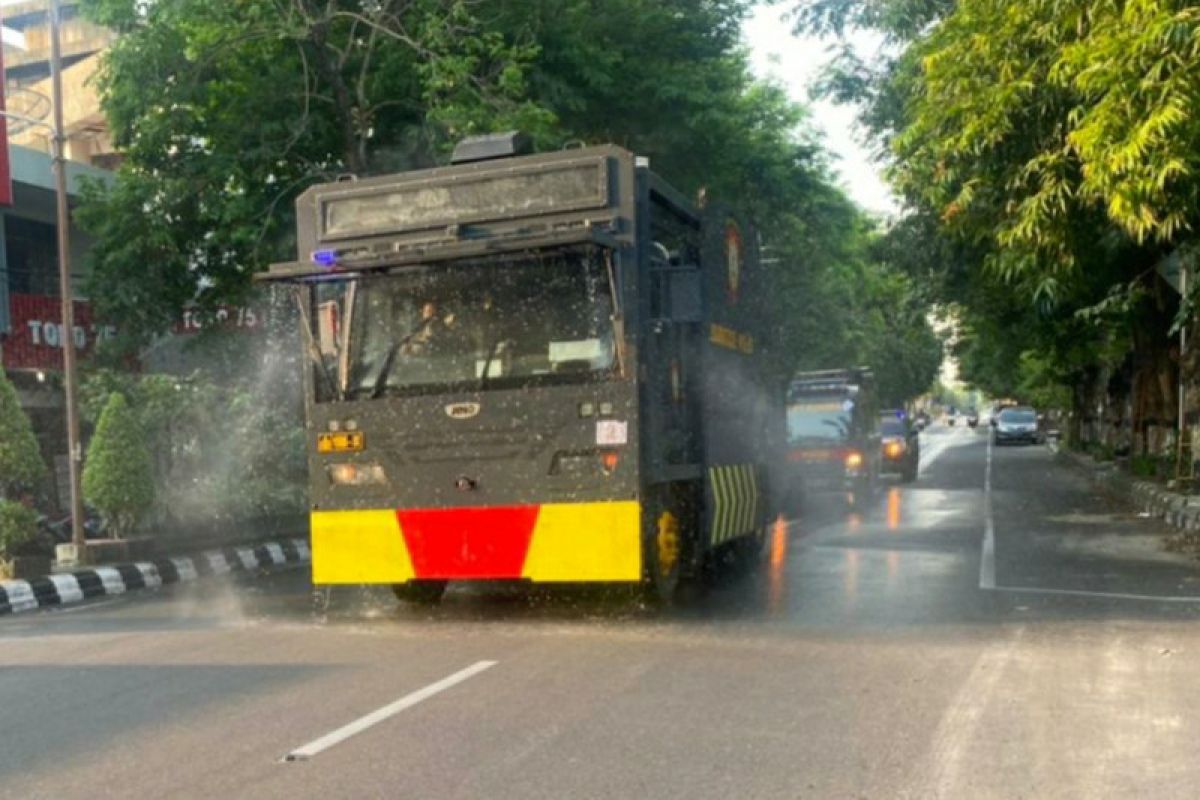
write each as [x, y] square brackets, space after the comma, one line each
[1047, 154]
[225, 112]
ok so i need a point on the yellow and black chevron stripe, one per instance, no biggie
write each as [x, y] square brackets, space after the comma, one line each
[735, 508]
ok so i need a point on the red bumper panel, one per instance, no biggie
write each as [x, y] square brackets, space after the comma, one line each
[465, 543]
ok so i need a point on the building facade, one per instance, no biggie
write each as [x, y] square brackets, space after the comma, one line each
[31, 331]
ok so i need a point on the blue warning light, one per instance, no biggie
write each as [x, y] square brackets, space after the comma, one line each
[325, 258]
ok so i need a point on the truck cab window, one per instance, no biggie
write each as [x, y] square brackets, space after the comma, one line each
[542, 318]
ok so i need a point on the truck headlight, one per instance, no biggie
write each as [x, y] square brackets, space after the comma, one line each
[356, 474]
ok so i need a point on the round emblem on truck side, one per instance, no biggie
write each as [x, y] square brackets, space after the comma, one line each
[733, 260]
[462, 410]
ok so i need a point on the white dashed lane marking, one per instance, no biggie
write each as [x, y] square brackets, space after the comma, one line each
[387, 712]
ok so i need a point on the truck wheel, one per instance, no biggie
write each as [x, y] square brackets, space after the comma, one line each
[424, 593]
[910, 474]
[664, 557]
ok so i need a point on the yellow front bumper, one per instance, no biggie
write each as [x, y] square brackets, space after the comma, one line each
[551, 542]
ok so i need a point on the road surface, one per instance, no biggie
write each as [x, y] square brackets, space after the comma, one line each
[985, 632]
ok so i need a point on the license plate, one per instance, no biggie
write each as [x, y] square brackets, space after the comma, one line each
[811, 455]
[341, 442]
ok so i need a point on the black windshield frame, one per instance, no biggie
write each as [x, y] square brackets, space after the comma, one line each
[534, 318]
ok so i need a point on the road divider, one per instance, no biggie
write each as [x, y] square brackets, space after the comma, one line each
[102, 581]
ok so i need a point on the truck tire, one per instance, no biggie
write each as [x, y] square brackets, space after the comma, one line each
[423, 593]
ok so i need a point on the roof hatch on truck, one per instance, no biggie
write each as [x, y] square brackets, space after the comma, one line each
[491, 146]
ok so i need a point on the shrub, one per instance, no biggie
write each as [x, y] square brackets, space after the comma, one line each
[117, 476]
[18, 526]
[21, 465]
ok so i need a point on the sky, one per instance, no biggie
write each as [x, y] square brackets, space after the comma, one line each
[795, 62]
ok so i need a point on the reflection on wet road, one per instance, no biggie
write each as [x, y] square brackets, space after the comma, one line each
[859, 657]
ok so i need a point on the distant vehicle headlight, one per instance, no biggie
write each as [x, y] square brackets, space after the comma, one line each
[356, 474]
[854, 460]
[893, 449]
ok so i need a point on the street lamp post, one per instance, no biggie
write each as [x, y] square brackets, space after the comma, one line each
[63, 219]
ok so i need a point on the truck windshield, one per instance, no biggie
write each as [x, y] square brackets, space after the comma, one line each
[540, 318]
[825, 419]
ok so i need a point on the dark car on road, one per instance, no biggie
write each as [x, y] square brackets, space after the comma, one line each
[1016, 424]
[832, 440]
[972, 418]
[900, 447]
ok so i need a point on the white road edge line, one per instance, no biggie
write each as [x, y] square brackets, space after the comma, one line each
[1151, 598]
[987, 559]
[386, 712]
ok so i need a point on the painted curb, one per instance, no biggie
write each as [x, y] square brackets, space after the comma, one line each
[1173, 508]
[84, 584]
[1177, 510]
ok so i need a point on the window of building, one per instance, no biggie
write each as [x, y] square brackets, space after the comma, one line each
[32, 254]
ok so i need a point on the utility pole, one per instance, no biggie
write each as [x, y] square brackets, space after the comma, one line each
[63, 221]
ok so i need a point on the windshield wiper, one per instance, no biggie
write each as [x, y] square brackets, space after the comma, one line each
[314, 352]
[389, 360]
[487, 362]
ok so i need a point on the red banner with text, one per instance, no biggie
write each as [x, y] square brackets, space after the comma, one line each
[36, 337]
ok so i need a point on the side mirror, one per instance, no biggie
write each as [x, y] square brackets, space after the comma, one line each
[993, 422]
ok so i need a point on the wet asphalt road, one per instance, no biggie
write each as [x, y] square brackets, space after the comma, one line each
[862, 659]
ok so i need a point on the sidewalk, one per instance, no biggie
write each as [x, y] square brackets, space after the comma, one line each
[99, 581]
[1176, 509]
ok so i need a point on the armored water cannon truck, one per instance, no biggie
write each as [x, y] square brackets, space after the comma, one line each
[522, 367]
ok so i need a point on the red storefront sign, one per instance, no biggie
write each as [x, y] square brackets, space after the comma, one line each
[225, 318]
[36, 337]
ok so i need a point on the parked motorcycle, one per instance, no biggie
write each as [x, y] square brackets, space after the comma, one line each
[53, 532]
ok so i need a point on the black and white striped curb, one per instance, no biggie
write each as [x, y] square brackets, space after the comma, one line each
[1177, 510]
[73, 587]
[1152, 499]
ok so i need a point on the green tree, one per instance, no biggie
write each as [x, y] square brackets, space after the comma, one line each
[21, 465]
[204, 199]
[1047, 151]
[18, 526]
[117, 476]
[226, 111]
